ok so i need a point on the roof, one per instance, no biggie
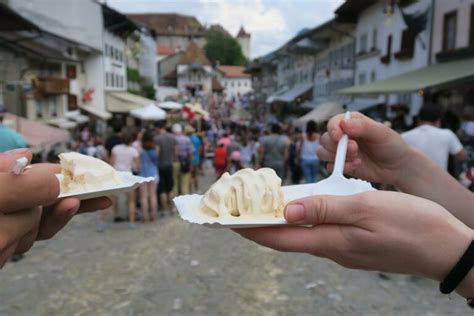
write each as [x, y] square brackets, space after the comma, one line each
[171, 23]
[116, 22]
[233, 71]
[12, 21]
[166, 51]
[431, 76]
[243, 33]
[219, 28]
[350, 9]
[194, 55]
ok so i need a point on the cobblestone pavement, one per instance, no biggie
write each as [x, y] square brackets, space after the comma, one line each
[174, 268]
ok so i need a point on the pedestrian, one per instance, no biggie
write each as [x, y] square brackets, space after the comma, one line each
[126, 158]
[246, 152]
[113, 139]
[149, 168]
[220, 160]
[435, 142]
[293, 157]
[307, 153]
[182, 169]
[168, 149]
[196, 162]
[273, 151]
[411, 233]
[235, 163]
[9, 139]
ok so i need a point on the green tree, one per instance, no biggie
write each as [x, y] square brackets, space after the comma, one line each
[223, 48]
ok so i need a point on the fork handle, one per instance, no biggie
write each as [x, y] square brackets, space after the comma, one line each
[341, 152]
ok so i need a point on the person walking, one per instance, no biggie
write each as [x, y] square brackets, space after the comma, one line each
[246, 153]
[196, 162]
[293, 156]
[307, 153]
[126, 158]
[9, 139]
[149, 168]
[168, 150]
[182, 167]
[273, 151]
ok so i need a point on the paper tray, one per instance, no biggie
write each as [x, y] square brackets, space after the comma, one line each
[188, 209]
[130, 183]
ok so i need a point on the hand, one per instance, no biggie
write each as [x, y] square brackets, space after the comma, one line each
[22, 216]
[384, 231]
[374, 153]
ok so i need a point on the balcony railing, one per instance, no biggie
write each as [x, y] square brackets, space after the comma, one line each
[52, 85]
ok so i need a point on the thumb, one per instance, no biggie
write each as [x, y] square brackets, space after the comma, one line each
[363, 127]
[322, 209]
[8, 158]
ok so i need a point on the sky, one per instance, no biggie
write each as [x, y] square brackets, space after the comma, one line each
[270, 22]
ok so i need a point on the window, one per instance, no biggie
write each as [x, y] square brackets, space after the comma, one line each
[112, 80]
[71, 72]
[449, 31]
[39, 108]
[363, 43]
[53, 112]
[407, 48]
[362, 79]
[71, 102]
[374, 39]
[471, 34]
[373, 76]
[386, 59]
[106, 50]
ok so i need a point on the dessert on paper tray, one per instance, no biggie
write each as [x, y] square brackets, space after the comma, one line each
[85, 173]
[247, 193]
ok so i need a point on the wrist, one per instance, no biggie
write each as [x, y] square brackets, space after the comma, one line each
[408, 169]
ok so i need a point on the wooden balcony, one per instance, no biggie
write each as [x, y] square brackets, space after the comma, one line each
[52, 85]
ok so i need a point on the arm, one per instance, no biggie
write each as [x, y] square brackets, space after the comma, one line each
[461, 155]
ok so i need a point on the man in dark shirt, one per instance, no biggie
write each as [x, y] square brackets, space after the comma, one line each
[113, 140]
[168, 149]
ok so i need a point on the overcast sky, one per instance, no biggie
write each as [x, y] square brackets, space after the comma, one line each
[271, 22]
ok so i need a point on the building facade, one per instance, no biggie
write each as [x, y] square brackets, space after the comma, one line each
[235, 81]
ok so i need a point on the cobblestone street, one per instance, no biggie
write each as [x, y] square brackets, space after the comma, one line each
[174, 268]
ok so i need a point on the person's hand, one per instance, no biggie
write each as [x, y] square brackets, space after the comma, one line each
[384, 231]
[23, 219]
[375, 152]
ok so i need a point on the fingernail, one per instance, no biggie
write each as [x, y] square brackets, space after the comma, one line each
[17, 151]
[294, 213]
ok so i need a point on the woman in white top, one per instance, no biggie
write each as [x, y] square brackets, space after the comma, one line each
[308, 158]
[126, 158]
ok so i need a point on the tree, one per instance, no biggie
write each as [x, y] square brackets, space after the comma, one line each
[223, 48]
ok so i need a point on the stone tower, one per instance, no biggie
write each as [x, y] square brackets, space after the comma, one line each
[244, 40]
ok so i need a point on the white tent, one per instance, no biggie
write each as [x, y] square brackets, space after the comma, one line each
[150, 112]
[170, 105]
[321, 113]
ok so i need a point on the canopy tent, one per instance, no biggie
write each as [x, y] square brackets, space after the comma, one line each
[170, 105]
[150, 112]
[321, 113]
[272, 98]
[38, 136]
[63, 123]
[431, 76]
[102, 114]
[294, 92]
[361, 104]
[124, 102]
[77, 117]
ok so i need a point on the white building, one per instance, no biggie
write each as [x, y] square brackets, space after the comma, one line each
[235, 82]
[194, 71]
[391, 39]
[244, 40]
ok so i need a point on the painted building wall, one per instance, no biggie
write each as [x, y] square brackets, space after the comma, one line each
[114, 62]
[463, 9]
[178, 42]
[193, 79]
[236, 87]
[245, 46]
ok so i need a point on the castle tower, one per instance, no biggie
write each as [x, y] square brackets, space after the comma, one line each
[244, 40]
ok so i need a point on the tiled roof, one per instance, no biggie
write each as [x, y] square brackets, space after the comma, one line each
[242, 33]
[233, 71]
[165, 51]
[194, 55]
[219, 28]
[171, 23]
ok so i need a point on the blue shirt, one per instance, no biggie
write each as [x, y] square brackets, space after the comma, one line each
[148, 163]
[9, 139]
[197, 153]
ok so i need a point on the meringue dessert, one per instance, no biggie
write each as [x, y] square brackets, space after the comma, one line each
[247, 193]
[83, 173]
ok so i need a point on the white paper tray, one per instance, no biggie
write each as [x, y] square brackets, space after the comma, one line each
[130, 183]
[188, 209]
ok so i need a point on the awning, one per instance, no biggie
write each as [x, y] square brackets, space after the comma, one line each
[272, 98]
[361, 104]
[321, 113]
[294, 92]
[431, 76]
[62, 123]
[150, 112]
[124, 102]
[77, 117]
[38, 136]
[170, 105]
[104, 115]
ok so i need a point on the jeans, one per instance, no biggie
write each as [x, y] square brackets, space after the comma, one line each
[310, 170]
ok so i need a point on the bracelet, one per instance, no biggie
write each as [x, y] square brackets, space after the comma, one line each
[459, 272]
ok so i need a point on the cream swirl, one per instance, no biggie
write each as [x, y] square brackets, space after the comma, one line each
[248, 192]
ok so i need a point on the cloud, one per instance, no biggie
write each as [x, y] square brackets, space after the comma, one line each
[270, 22]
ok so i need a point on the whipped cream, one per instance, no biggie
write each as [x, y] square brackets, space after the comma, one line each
[247, 193]
[83, 173]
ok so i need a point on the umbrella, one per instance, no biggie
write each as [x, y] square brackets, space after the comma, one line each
[150, 112]
[170, 105]
[321, 113]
